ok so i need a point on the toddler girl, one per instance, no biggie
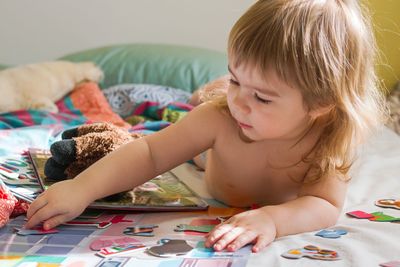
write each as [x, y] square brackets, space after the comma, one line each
[302, 95]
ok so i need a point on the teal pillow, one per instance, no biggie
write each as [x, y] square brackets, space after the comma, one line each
[182, 67]
[2, 67]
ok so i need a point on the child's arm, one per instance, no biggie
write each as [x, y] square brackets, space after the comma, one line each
[127, 167]
[318, 206]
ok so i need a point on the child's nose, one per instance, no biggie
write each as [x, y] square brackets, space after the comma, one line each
[241, 101]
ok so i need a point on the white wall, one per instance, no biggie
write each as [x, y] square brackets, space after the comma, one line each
[39, 30]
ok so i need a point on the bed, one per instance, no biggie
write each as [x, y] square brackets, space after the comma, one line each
[375, 175]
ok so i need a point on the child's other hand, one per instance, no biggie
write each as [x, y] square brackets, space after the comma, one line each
[61, 202]
[254, 226]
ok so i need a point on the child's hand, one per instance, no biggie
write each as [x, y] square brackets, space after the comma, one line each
[254, 226]
[62, 202]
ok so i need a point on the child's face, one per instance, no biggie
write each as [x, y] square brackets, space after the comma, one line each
[264, 106]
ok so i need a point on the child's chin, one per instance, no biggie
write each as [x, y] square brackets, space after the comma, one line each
[246, 137]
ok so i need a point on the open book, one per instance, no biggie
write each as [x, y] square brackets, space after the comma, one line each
[162, 193]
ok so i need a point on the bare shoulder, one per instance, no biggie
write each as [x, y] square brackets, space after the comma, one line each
[207, 117]
[193, 134]
[203, 122]
[211, 111]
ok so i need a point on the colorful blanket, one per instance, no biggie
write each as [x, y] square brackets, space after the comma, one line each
[86, 104]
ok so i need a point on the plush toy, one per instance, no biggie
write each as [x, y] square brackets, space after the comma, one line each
[82, 146]
[40, 85]
[210, 90]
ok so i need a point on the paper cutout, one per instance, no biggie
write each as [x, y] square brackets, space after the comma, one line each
[200, 251]
[170, 248]
[100, 225]
[312, 252]
[34, 231]
[374, 216]
[194, 228]
[119, 219]
[201, 222]
[388, 203]
[98, 244]
[140, 230]
[334, 233]
[120, 250]
[381, 217]
[113, 262]
[360, 214]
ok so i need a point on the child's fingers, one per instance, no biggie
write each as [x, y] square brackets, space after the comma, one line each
[32, 221]
[243, 239]
[216, 234]
[54, 221]
[228, 237]
[36, 205]
[40, 215]
[262, 242]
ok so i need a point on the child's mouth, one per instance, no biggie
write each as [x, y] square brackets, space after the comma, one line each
[244, 126]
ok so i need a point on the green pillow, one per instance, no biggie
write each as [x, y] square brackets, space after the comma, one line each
[182, 67]
[2, 67]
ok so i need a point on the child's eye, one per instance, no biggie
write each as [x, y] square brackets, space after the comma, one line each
[262, 100]
[231, 81]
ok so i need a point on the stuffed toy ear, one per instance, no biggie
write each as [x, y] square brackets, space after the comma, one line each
[63, 154]
[68, 134]
[64, 151]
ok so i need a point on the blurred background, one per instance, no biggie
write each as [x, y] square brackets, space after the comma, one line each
[40, 30]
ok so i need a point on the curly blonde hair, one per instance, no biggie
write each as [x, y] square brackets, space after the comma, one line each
[326, 49]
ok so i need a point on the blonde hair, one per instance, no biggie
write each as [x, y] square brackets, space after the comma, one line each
[325, 48]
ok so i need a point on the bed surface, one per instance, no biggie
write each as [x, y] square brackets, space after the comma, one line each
[375, 175]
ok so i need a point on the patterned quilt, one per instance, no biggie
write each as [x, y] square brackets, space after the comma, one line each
[22, 129]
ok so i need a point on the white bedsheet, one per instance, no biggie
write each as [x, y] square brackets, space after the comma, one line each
[376, 175]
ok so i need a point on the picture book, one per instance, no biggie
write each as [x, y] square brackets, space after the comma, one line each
[162, 193]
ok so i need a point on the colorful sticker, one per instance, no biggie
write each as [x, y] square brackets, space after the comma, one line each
[333, 233]
[312, 252]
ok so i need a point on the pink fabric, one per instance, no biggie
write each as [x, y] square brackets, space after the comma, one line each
[10, 206]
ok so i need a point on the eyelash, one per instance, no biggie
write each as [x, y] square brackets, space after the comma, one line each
[256, 96]
[262, 100]
[231, 81]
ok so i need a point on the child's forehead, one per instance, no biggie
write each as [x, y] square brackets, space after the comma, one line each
[268, 75]
[257, 78]
[245, 66]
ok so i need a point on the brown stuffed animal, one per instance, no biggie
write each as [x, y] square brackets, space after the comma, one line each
[82, 146]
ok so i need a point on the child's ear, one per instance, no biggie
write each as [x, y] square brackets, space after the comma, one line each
[320, 111]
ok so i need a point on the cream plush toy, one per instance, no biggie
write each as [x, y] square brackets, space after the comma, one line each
[40, 85]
